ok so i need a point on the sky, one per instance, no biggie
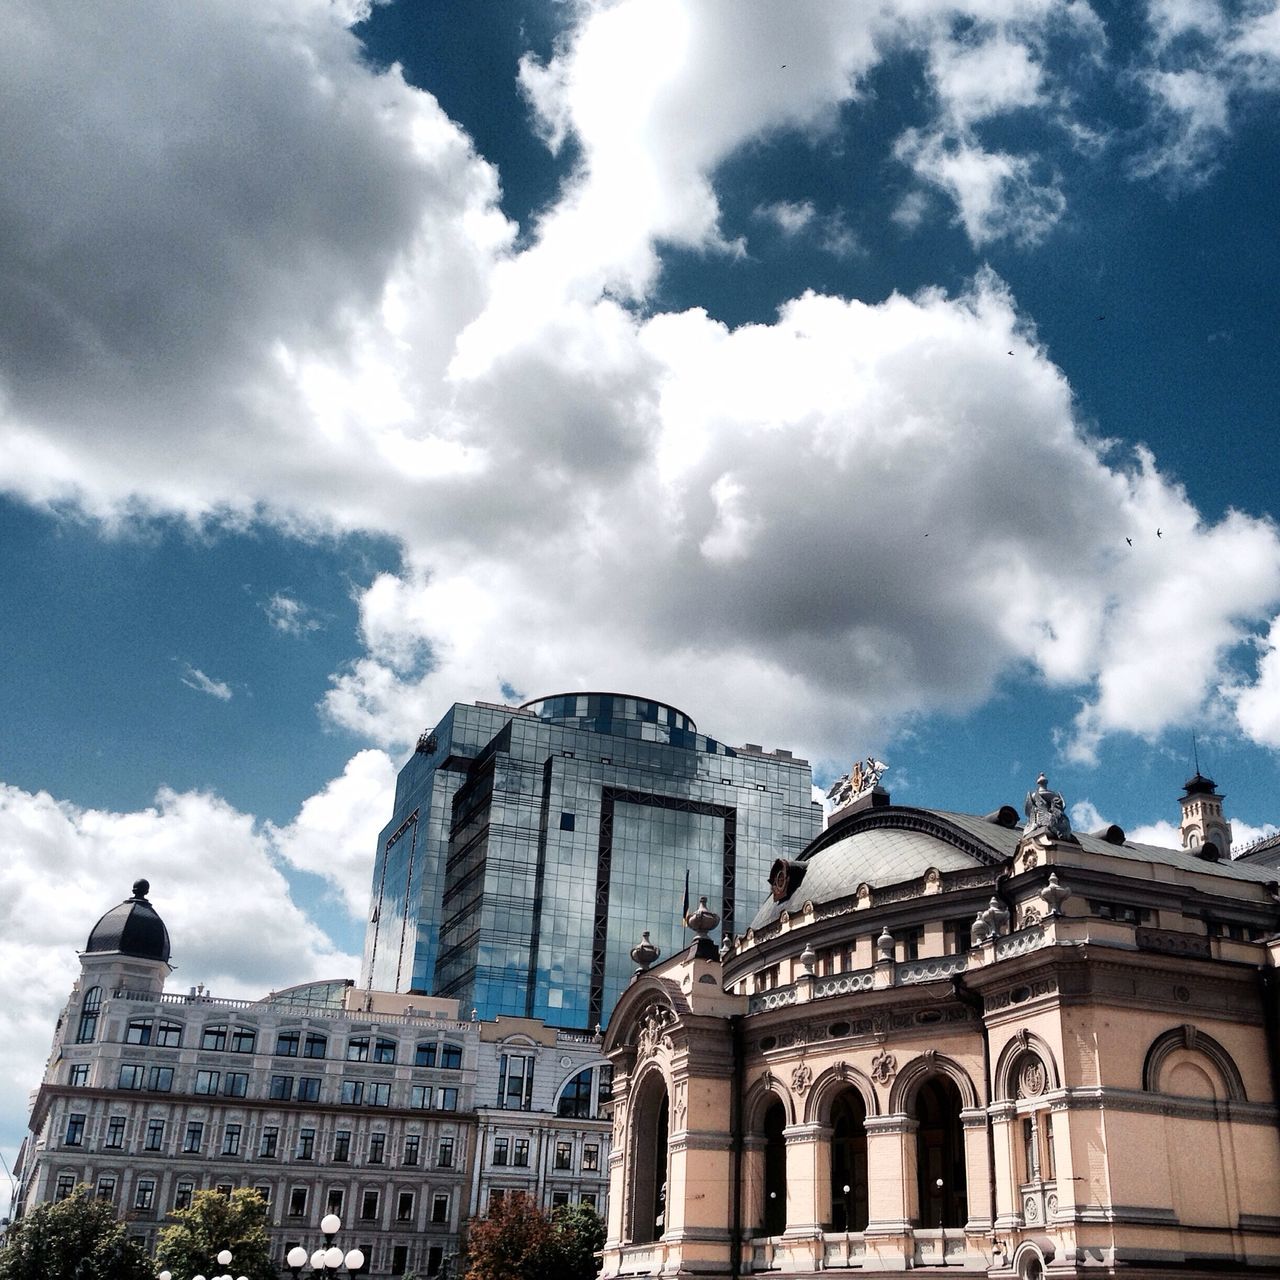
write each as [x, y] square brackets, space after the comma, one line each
[894, 379]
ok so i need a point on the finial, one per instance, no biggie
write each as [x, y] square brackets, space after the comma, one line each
[141, 888]
[702, 919]
[644, 953]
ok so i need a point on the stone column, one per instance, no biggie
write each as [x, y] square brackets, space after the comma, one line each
[808, 1193]
[891, 1191]
[976, 1169]
[1005, 1139]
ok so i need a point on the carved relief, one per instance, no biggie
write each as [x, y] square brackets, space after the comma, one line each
[652, 1034]
[883, 1067]
[1031, 1077]
[681, 1104]
[801, 1079]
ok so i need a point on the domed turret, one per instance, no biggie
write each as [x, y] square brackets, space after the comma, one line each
[132, 929]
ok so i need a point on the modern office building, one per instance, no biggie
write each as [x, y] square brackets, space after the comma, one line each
[389, 1110]
[528, 845]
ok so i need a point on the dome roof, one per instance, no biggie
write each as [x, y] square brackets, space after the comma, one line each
[132, 928]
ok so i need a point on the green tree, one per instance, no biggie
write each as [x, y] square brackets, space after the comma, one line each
[190, 1244]
[513, 1242]
[578, 1233]
[73, 1239]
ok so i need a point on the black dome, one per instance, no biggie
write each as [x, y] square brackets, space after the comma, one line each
[132, 928]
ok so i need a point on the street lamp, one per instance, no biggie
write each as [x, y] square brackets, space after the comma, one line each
[331, 1257]
[942, 1231]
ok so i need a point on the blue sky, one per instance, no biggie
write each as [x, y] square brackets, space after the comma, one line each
[827, 371]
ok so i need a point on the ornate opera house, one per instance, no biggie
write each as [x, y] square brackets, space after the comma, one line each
[962, 1044]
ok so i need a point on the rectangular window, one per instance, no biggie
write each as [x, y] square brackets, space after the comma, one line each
[589, 1199]
[132, 1076]
[566, 821]
[404, 1207]
[214, 1038]
[244, 1040]
[399, 1259]
[564, 1156]
[559, 1199]
[66, 1185]
[235, 1084]
[144, 1195]
[500, 1146]
[155, 1136]
[447, 1099]
[342, 1146]
[306, 1144]
[335, 1200]
[515, 1082]
[115, 1132]
[78, 1076]
[106, 1188]
[315, 1046]
[224, 1190]
[1046, 1160]
[379, 1094]
[435, 1259]
[358, 1049]
[269, 1143]
[160, 1079]
[411, 1144]
[191, 1143]
[264, 1191]
[169, 1035]
[377, 1147]
[911, 943]
[139, 1031]
[369, 1206]
[75, 1130]
[590, 1156]
[444, 1156]
[425, 1055]
[231, 1140]
[207, 1082]
[352, 1092]
[451, 1057]
[287, 1043]
[281, 1089]
[1030, 1151]
[308, 1088]
[440, 1207]
[297, 1202]
[420, 1096]
[182, 1195]
[520, 1157]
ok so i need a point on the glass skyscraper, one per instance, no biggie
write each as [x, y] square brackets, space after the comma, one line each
[531, 846]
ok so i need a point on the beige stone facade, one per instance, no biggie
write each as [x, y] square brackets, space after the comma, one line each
[949, 1041]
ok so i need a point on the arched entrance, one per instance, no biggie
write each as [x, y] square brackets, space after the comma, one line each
[775, 1169]
[849, 1162]
[647, 1204]
[944, 1199]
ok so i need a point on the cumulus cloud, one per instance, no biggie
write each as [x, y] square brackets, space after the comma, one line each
[214, 880]
[196, 679]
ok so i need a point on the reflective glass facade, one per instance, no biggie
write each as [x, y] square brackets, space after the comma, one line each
[531, 847]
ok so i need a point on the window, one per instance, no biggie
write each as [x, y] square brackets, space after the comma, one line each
[160, 1079]
[496, 1197]
[224, 1190]
[115, 1132]
[420, 1096]
[264, 1191]
[231, 1140]
[500, 1146]
[575, 1101]
[66, 1185]
[1030, 1150]
[139, 1031]
[315, 1046]
[589, 1199]
[342, 1146]
[352, 1092]
[959, 936]
[281, 1089]
[207, 1082]
[1046, 1159]
[214, 1037]
[191, 1143]
[379, 1094]
[444, 1155]
[411, 1148]
[435, 1256]
[144, 1195]
[269, 1143]
[297, 1202]
[132, 1075]
[87, 1031]
[169, 1035]
[911, 943]
[309, 1089]
[244, 1040]
[235, 1084]
[287, 1043]
[78, 1077]
[559, 1199]
[306, 1144]
[358, 1049]
[404, 1207]
[515, 1082]
[447, 1099]
[440, 1207]
[564, 1156]
[155, 1136]
[182, 1195]
[425, 1054]
[591, 1156]
[335, 1200]
[377, 1147]
[384, 1051]
[369, 1206]
[399, 1259]
[566, 821]
[520, 1157]
[75, 1130]
[451, 1057]
[106, 1188]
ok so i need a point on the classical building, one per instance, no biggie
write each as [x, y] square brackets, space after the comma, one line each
[527, 845]
[388, 1110]
[961, 1041]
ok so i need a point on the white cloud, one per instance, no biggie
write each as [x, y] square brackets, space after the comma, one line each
[1257, 705]
[196, 679]
[214, 881]
[290, 615]
[790, 217]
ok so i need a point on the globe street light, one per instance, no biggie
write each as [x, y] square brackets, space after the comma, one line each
[329, 1258]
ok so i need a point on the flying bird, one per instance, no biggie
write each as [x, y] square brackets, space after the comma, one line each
[1129, 541]
[1103, 316]
[1159, 533]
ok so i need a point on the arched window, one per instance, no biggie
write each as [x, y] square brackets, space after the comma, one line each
[214, 1037]
[584, 1095]
[775, 1169]
[849, 1211]
[244, 1040]
[87, 1031]
[648, 1199]
[944, 1200]
[451, 1056]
